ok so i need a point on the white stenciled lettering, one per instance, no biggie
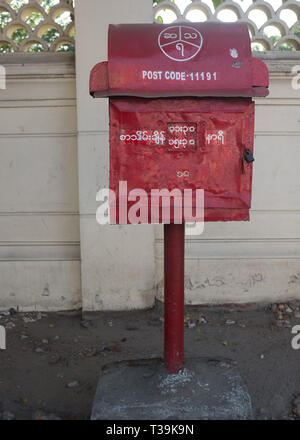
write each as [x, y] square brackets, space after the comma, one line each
[189, 36]
[156, 137]
[181, 129]
[152, 74]
[211, 137]
[180, 47]
[178, 76]
[178, 142]
[158, 75]
[169, 36]
[183, 173]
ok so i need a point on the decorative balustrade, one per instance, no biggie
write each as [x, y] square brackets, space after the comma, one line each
[36, 26]
[273, 25]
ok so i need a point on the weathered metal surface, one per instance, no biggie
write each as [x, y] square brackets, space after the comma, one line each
[197, 59]
[181, 115]
[99, 78]
[187, 143]
[174, 297]
[196, 135]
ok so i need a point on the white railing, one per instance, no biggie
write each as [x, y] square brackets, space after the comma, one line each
[36, 26]
[273, 25]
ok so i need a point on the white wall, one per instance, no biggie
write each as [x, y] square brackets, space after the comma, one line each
[118, 270]
[54, 152]
[258, 260]
[39, 227]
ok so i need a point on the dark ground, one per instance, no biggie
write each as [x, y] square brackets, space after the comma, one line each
[51, 366]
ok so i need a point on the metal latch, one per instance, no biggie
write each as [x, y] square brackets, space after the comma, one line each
[248, 156]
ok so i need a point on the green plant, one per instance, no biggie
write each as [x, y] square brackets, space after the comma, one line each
[273, 38]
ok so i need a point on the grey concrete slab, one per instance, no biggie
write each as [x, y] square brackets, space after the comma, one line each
[205, 389]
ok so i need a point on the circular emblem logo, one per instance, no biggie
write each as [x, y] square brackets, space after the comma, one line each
[180, 43]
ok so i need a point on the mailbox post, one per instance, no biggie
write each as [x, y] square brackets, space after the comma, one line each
[181, 117]
[174, 296]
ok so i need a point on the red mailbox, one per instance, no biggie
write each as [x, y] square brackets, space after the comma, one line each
[181, 117]
[181, 113]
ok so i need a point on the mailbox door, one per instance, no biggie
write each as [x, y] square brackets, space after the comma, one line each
[184, 143]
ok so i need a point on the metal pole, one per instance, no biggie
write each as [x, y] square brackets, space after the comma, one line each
[174, 296]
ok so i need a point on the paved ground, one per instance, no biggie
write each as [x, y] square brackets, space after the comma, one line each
[205, 389]
[51, 366]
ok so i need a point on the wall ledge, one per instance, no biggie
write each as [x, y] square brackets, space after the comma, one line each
[64, 62]
[279, 61]
[37, 58]
[42, 65]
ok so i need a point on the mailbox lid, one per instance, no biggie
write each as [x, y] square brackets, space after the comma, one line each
[181, 59]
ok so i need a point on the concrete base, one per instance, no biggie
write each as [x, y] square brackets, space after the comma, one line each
[206, 389]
